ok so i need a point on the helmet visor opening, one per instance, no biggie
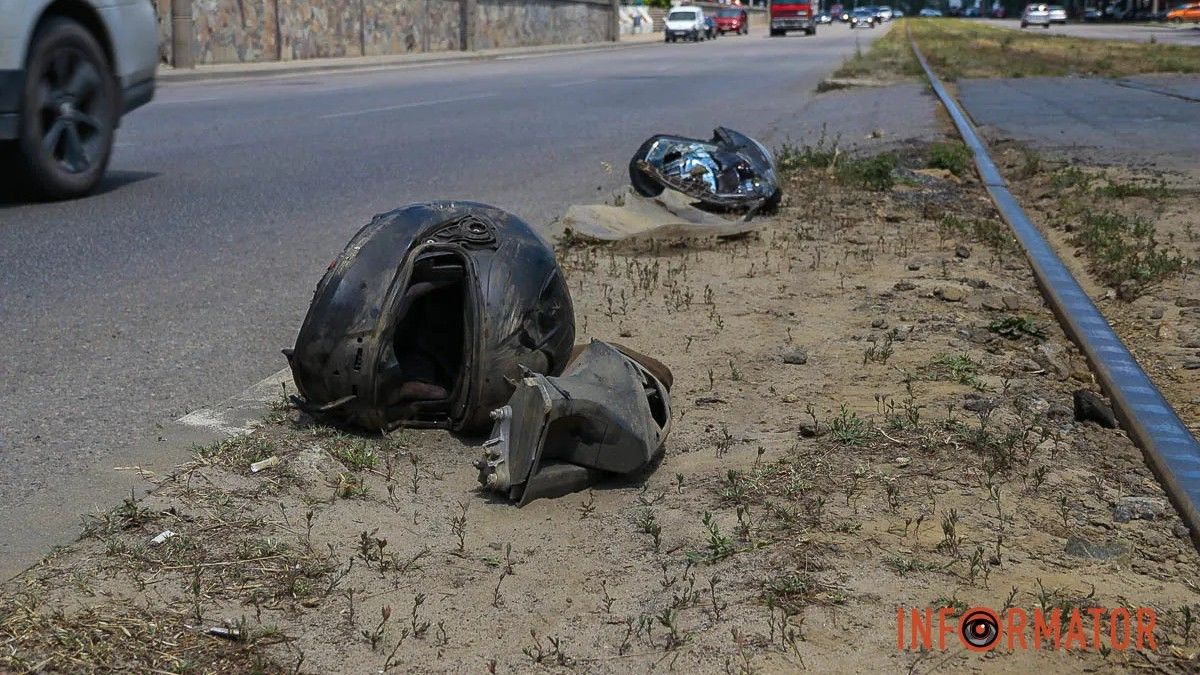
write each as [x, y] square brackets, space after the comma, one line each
[431, 333]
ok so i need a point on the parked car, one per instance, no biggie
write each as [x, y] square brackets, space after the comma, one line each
[998, 12]
[971, 13]
[1058, 14]
[733, 20]
[897, 14]
[884, 13]
[929, 13]
[684, 23]
[863, 17]
[824, 17]
[1182, 13]
[68, 72]
[1036, 15]
[711, 32]
[1092, 14]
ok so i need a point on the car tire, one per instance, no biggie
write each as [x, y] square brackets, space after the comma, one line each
[1047, 26]
[1024, 25]
[69, 112]
[1176, 21]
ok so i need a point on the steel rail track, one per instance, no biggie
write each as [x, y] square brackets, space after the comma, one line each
[1170, 449]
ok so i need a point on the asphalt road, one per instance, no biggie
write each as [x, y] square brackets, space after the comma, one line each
[177, 285]
[1129, 120]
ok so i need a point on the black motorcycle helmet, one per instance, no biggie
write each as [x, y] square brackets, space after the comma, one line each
[426, 313]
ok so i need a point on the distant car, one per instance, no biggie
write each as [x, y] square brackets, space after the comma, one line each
[733, 20]
[824, 17]
[972, 13]
[897, 14]
[1092, 14]
[885, 13]
[844, 17]
[929, 13]
[1058, 14]
[1182, 13]
[863, 17]
[684, 23]
[711, 31]
[998, 12]
[1036, 15]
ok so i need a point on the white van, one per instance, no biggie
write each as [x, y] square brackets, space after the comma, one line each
[685, 22]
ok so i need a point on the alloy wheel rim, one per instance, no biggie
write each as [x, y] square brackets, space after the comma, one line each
[70, 110]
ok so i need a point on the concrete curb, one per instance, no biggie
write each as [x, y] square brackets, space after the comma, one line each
[396, 61]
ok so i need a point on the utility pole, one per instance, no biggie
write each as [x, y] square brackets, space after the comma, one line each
[182, 29]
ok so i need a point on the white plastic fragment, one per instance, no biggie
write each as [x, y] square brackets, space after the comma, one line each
[161, 537]
[267, 463]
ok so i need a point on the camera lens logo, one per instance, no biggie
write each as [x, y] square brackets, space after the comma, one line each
[980, 629]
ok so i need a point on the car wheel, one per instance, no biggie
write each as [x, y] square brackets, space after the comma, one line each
[1176, 21]
[1024, 25]
[1047, 26]
[68, 112]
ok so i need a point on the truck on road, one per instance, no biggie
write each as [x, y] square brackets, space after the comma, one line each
[789, 15]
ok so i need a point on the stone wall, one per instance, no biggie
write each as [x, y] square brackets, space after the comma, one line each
[523, 23]
[238, 31]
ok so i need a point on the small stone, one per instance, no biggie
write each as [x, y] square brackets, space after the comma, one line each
[1089, 407]
[1129, 290]
[810, 429]
[1187, 302]
[1156, 313]
[962, 252]
[1193, 343]
[1180, 530]
[1143, 508]
[1059, 411]
[879, 323]
[904, 286]
[1084, 548]
[951, 294]
[903, 461]
[913, 267]
[1165, 332]
[1122, 513]
[626, 333]
[1191, 364]
[1053, 359]
[1013, 303]
[795, 357]
[980, 404]
[1080, 372]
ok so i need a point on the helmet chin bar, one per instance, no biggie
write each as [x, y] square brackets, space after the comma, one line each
[609, 413]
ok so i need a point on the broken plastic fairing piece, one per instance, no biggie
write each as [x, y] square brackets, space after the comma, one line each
[609, 413]
[730, 172]
[427, 315]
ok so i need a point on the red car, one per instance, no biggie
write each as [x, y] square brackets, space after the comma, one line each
[732, 20]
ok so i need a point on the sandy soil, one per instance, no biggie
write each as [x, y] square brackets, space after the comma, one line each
[921, 451]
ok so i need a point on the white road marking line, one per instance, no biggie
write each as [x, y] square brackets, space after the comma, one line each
[573, 83]
[188, 100]
[401, 106]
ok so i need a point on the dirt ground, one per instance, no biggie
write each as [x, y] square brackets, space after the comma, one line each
[1147, 287]
[873, 409]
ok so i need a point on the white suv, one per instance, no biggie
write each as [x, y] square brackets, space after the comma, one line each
[68, 70]
[684, 22]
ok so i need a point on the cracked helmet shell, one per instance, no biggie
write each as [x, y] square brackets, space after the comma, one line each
[354, 353]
